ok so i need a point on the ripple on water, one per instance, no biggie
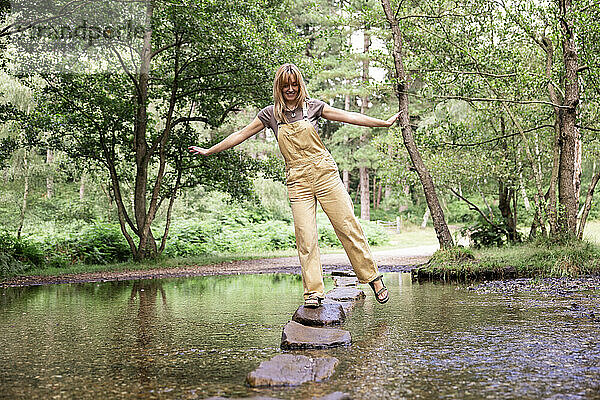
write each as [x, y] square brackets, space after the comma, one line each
[197, 337]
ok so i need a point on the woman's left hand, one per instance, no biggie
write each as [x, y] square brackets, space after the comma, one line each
[393, 118]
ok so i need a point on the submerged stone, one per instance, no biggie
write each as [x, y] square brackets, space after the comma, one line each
[343, 281]
[345, 294]
[290, 370]
[327, 314]
[244, 398]
[334, 396]
[296, 336]
[340, 272]
[346, 305]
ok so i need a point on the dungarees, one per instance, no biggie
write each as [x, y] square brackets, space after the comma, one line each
[312, 174]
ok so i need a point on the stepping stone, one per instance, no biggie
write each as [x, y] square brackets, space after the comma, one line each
[327, 314]
[345, 294]
[346, 305]
[296, 336]
[340, 272]
[290, 370]
[342, 281]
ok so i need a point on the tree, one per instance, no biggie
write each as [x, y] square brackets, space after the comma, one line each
[196, 64]
[401, 87]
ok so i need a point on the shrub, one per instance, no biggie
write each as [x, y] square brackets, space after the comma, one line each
[18, 255]
[101, 243]
[483, 234]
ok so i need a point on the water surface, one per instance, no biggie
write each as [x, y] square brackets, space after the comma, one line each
[199, 337]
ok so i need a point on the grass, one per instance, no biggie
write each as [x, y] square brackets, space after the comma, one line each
[541, 258]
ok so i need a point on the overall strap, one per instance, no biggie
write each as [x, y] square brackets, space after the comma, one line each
[305, 110]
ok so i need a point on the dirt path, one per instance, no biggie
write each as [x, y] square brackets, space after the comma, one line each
[394, 260]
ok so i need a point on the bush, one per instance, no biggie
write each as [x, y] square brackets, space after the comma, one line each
[102, 243]
[376, 235]
[483, 234]
[195, 237]
[18, 255]
[237, 235]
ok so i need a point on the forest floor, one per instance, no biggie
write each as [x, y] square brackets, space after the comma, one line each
[388, 260]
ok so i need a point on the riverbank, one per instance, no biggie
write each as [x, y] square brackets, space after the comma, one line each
[389, 260]
[527, 260]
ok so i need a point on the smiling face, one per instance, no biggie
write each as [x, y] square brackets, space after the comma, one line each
[290, 90]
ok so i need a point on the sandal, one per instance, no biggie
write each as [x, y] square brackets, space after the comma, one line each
[372, 284]
[312, 302]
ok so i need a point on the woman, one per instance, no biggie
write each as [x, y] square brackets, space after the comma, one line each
[311, 175]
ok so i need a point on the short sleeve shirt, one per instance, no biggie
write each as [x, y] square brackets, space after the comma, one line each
[314, 111]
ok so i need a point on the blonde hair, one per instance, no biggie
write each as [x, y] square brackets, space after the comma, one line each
[283, 74]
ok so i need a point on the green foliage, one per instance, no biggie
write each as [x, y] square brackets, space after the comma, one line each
[232, 235]
[18, 255]
[100, 243]
[483, 234]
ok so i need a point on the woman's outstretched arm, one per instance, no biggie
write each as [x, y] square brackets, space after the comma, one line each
[232, 140]
[335, 114]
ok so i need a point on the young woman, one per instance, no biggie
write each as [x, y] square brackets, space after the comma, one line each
[311, 175]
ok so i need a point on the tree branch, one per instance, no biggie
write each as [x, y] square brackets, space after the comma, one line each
[475, 208]
[488, 74]
[491, 100]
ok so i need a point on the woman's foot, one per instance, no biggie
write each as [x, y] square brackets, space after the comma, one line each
[312, 302]
[381, 292]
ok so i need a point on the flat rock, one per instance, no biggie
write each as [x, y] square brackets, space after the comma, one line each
[326, 315]
[334, 396]
[290, 370]
[339, 272]
[345, 294]
[296, 336]
[343, 281]
[346, 305]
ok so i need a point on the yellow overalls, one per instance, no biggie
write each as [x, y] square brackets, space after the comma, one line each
[312, 174]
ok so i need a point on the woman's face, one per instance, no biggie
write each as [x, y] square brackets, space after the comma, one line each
[290, 89]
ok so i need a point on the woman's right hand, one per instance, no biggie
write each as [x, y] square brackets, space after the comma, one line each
[195, 150]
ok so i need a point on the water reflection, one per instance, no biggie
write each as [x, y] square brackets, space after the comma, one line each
[198, 337]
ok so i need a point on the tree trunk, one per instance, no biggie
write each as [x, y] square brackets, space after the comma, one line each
[505, 195]
[365, 201]
[25, 193]
[346, 179]
[374, 192]
[437, 214]
[551, 209]
[490, 211]
[365, 212]
[147, 245]
[345, 172]
[50, 176]
[521, 180]
[588, 204]
[568, 176]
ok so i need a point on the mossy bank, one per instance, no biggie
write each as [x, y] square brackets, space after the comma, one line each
[539, 258]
